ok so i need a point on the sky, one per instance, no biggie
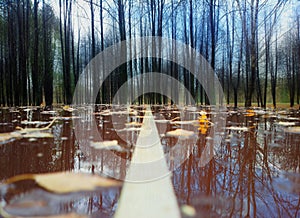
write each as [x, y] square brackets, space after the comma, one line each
[81, 15]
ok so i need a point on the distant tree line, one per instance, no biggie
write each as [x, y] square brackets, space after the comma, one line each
[43, 51]
[26, 52]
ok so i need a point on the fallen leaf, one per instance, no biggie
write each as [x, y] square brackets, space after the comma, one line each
[32, 133]
[292, 118]
[72, 182]
[48, 112]
[162, 121]
[8, 137]
[65, 118]
[110, 145]
[237, 128]
[25, 133]
[188, 210]
[38, 135]
[185, 122]
[37, 123]
[295, 130]
[68, 108]
[131, 129]
[180, 133]
[286, 123]
[133, 124]
[124, 112]
[66, 182]
[259, 112]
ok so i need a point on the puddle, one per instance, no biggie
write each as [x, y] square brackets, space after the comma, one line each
[254, 172]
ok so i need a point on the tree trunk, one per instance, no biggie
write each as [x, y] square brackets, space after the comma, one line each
[36, 93]
[48, 60]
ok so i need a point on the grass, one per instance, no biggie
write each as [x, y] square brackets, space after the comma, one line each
[270, 105]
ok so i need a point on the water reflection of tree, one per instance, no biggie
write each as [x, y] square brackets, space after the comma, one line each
[242, 174]
[68, 148]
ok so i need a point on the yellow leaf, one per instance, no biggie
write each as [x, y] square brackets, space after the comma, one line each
[203, 129]
[68, 108]
[250, 113]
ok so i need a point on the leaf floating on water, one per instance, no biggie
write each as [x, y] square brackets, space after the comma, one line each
[250, 113]
[127, 112]
[260, 112]
[188, 210]
[180, 133]
[39, 135]
[32, 139]
[130, 129]
[8, 137]
[110, 145]
[283, 112]
[237, 128]
[48, 112]
[27, 133]
[32, 133]
[73, 182]
[133, 124]
[162, 121]
[292, 118]
[68, 108]
[37, 123]
[293, 130]
[185, 122]
[286, 123]
[67, 182]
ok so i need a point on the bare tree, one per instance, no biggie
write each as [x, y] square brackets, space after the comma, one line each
[48, 18]
[65, 38]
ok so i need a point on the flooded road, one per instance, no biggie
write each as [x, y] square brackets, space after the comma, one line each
[254, 172]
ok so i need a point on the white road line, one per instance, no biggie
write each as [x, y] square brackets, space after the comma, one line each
[148, 190]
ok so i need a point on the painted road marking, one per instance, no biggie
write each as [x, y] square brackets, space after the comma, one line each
[145, 192]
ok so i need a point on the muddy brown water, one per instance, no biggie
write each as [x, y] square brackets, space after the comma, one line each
[255, 171]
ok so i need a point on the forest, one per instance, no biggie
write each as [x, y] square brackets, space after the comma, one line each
[114, 108]
[252, 45]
